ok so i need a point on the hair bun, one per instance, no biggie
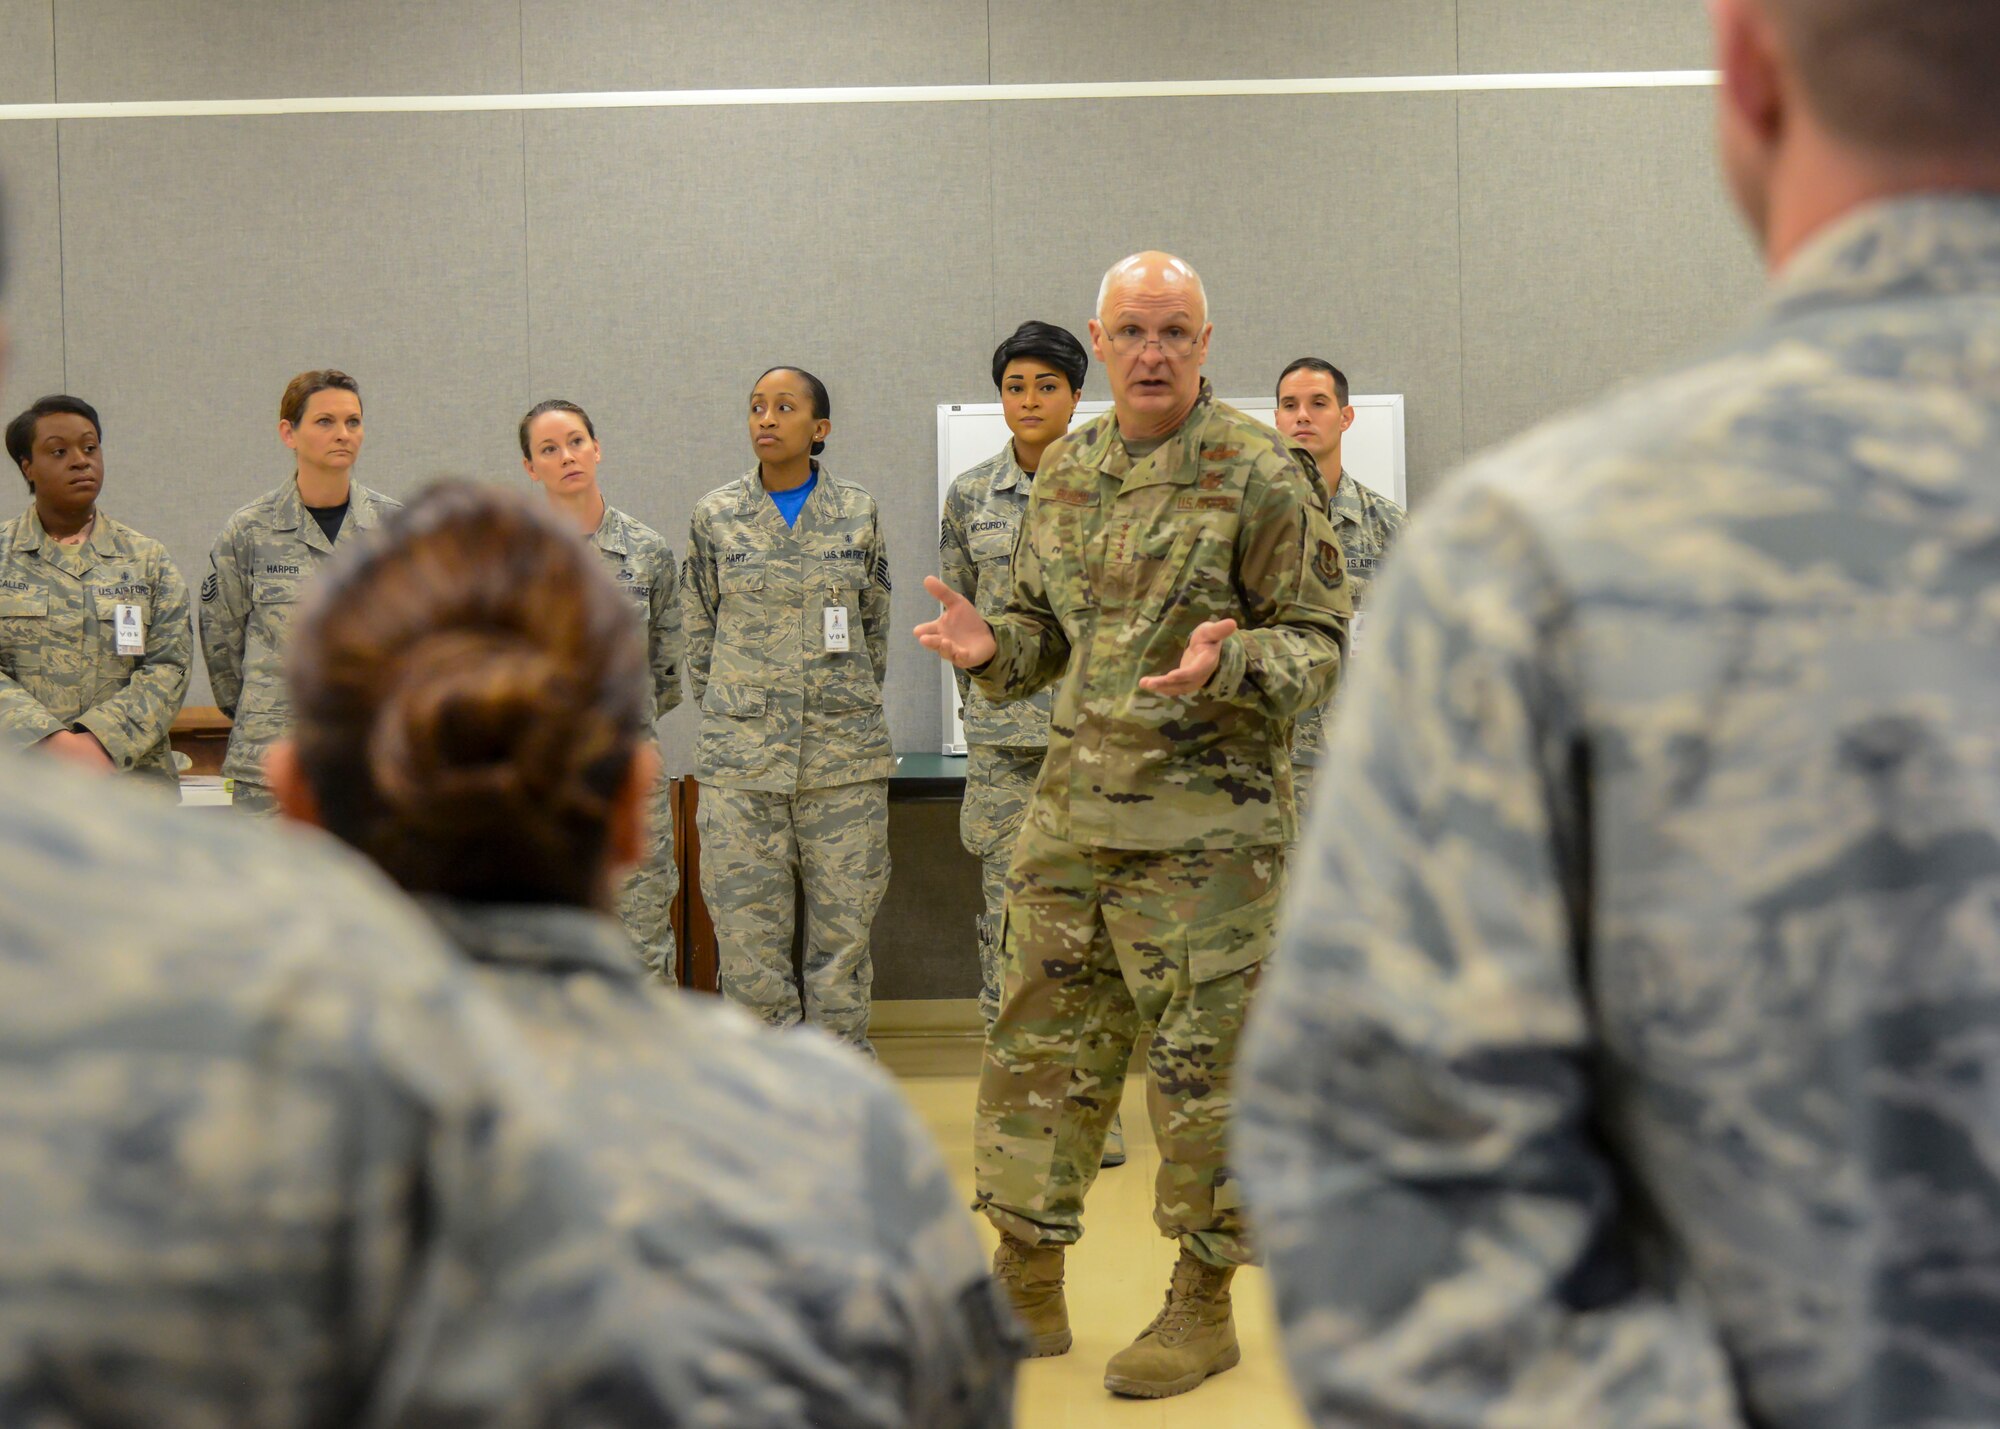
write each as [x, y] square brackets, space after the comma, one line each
[474, 725]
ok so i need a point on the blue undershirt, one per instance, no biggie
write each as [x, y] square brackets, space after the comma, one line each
[791, 503]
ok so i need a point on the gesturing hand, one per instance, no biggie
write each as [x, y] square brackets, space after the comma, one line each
[1198, 661]
[960, 634]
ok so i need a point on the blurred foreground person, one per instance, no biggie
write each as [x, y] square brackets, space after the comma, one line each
[1634, 1054]
[469, 697]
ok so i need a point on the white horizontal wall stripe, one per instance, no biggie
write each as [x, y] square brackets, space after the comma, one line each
[870, 94]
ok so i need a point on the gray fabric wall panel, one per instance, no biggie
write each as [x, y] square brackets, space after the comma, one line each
[27, 53]
[1345, 243]
[674, 254]
[33, 299]
[724, 44]
[1544, 36]
[243, 49]
[207, 261]
[1598, 246]
[1053, 41]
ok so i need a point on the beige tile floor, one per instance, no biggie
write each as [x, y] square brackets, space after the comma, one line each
[1116, 1277]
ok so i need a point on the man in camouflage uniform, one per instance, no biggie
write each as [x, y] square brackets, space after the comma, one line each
[794, 754]
[1313, 415]
[267, 551]
[1632, 1056]
[1177, 573]
[95, 640]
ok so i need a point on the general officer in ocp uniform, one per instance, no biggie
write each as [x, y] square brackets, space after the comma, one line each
[1177, 573]
[560, 450]
[265, 553]
[1314, 415]
[95, 642]
[1633, 1057]
[786, 602]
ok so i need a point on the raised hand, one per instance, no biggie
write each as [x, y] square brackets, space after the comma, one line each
[960, 634]
[1198, 661]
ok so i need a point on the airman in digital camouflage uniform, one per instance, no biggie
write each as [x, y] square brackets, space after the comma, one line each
[560, 450]
[1177, 572]
[1039, 372]
[786, 602]
[95, 642]
[1633, 1051]
[811, 1261]
[1313, 415]
[263, 558]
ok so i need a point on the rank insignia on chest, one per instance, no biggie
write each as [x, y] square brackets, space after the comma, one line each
[1326, 564]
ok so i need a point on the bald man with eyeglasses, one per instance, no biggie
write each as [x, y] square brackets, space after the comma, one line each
[1178, 580]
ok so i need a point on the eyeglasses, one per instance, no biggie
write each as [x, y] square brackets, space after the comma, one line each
[1174, 342]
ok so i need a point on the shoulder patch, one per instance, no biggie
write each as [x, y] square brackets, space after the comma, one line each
[1327, 566]
[210, 587]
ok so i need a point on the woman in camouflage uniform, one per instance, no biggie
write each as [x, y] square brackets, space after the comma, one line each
[787, 608]
[559, 449]
[467, 697]
[95, 643]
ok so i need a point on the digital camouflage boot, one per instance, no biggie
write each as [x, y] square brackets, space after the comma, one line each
[1033, 1278]
[1190, 1339]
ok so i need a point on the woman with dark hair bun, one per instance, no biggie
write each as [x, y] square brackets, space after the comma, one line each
[468, 698]
[560, 450]
[786, 602]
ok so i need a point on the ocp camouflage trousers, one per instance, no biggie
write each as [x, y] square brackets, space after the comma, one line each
[756, 848]
[1100, 945]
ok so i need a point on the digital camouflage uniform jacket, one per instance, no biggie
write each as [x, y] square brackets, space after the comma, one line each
[779, 712]
[1633, 1053]
[1366, 524]
[983, 512]
[269, 1157]
[59, 660]
[261, 561]
[814, 1264]
[1117, 563]
[642, 563]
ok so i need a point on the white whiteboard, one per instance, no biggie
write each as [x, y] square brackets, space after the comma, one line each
[970, 432]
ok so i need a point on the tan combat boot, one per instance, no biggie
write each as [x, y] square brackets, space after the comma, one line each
[1190, 1339]
[1033, 1278]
